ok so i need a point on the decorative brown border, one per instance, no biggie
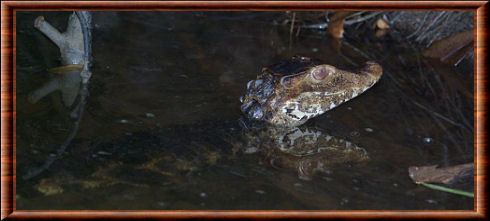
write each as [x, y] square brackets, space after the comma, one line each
[8, 9]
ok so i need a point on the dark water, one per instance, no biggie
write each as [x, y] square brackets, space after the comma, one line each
[163, 102]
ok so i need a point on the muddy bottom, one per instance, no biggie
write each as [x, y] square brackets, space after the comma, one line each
[160, 128]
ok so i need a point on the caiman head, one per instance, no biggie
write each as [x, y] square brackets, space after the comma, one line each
[291, 92]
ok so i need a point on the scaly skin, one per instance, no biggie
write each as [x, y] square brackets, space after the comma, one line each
[291, 92]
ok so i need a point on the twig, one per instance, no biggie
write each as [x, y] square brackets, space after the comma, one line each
[449, 190]
[419, 28]
[291, 30]
[399, 14]
[361, 19]
[430, 25]
[83, 18]
[347, 22]
[316, 26]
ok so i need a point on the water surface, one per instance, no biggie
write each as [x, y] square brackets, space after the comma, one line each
[164, 95]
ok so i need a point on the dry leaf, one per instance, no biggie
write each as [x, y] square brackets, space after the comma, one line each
[445, 48]
[336, 25]
[382, 24]
[66, 69]
[432, 174]
[380, 33]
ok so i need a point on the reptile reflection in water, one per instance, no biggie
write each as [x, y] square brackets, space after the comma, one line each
[147, 159]
[306, 149]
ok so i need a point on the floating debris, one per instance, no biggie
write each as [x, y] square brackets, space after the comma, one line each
[449, 47]
[327, 178]
[124, 121]
[161, 204]
[336, 25]
[354, 133]
[203, 195]
[367, 129]
[432, 174]
[48, 187]
[260, 191]
[381, 23]
[104, 153]
[431, 201]
[149, 115]
[428, 140]
[344, 201]
[250, 150]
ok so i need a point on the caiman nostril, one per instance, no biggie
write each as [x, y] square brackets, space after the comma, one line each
[245, 107]
[258, 82]
[256, 112]
[249, 84]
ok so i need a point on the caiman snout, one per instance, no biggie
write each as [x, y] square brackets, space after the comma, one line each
[373, 69]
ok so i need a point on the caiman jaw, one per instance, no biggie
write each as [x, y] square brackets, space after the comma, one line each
[305, 95]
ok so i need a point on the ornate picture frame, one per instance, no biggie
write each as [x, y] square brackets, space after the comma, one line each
[8, 81]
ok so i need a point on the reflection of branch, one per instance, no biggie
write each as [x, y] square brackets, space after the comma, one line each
[347, 21]
[50, 159]
[84, 18]
[67, 81]
[361, 19]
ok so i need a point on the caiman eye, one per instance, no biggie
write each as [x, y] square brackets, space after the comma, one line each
[321, 73]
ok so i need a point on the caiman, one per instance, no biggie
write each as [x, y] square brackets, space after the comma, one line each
[275, 107]
[287, 94]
